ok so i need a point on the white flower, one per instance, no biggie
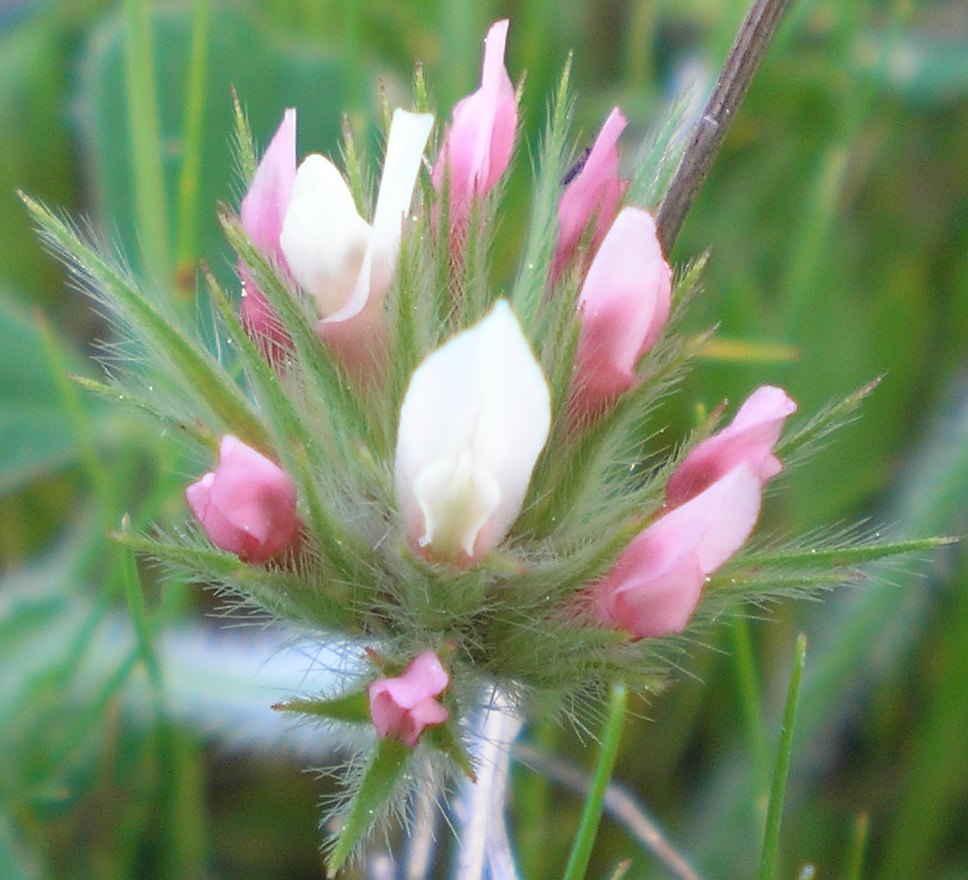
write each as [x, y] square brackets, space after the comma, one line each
[474, 419]
[332, 252]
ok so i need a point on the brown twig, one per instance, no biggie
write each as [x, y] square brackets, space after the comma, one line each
[744, 58]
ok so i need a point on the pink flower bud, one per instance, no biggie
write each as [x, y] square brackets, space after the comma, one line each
[592, 195]
[655, 585]
[262, 213]
[749, 439]
[473, 422]
[403, 706]
[477, 147]
[624, 305]
[247, 505]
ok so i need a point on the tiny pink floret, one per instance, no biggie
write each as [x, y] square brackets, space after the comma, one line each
[247, 505]
[404, 706]
[478, 144]
[592, 196]
[655, 585]
[749, 439]
[624, 305]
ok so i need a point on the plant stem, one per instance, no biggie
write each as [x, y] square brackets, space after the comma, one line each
[771, 835]
[592, 813]
[744, 58]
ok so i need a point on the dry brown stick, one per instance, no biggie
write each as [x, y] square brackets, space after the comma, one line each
[744, 58]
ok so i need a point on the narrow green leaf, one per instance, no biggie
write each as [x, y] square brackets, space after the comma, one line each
[379, 783]
[196, 368]
[750, 701]
[581, 850]
[858, 848]
[353, 707]
[145, 132]
[192, 137]
[844, 556]
[771, 835]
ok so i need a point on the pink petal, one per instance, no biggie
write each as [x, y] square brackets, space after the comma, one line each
[403, 706]
[624, 305]
[593, 194]
[247, 505]
[478, 145]
[656, 582]
[749, 439]
[264, 206]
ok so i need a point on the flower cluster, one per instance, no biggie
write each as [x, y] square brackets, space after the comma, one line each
[478, 412]
[452, 472]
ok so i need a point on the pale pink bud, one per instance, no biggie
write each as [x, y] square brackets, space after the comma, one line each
[749, 439]
[262, 212]
[474, 419]
[656, 583]
[624, 305]
[403, 706]
[247, 505]
[592, 195]
[478, 145]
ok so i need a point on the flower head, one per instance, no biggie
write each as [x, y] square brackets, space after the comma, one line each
[749, 439]
[624, 305]
[592, 195]
[247, 505]
[478, 144]
[655, 585]
[474, 419]
[404, 706]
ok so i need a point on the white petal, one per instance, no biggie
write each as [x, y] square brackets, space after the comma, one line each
[323, 237]
[477, 414]
[405, 146]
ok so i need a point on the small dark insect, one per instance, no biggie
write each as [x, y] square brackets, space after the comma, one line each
[575, 169]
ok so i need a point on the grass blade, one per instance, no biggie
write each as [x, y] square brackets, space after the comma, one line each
[581, 850]
[771, 836]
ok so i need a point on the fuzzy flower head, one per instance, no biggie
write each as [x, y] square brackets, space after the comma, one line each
[402, 707]
[496, 491]
[247, 505]
[480, 139]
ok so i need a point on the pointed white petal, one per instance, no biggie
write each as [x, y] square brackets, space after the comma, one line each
[405, 146]
[475, 417]
[323, 237]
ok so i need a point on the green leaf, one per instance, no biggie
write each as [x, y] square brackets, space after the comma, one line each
[353, 707]
[379, 783]
[173, 347]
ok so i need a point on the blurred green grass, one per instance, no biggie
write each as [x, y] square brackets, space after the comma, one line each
[837, 216]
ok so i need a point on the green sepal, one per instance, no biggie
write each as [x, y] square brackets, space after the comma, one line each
[353, 707]
[379, 782]
[445, 738]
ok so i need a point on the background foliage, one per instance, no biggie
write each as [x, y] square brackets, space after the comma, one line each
[137, 739]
